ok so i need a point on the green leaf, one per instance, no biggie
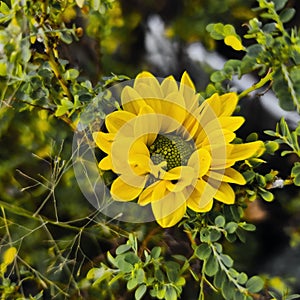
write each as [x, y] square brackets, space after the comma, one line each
[260, 180]
[294, 296]
[280, 4]
[98, 274]
[220, 221]
[219, 278]
[282, 90]
[228, 289]
[181, 281]
[203, 251]
[218, 76]
[255, 50]
[235, 212]
[215, 235]
[124, 266]
[242, 278]
[131, 284]
[211, 266]
[160, 293]
[255, 284]
[172, 270]
[66, 37]
[240, 296]
[159, 275]
[80, 3]
[266, 195]
[216, 30]
[231, 227]
[140, 291]
[270, 132]
[61, 110]
[228, 29]
[247, 226]
[122, 248]
[170, 293]
[3, 69]
[269, 27]
[205, 235]
[155, 252]
[4, 9]
[252, 137]
[284, 127]
[287, 14]
[241, 235]
[140, 276]
[296, 173]
[227, 260]
[249, 175]
[131, 257]
[71, 74]
[271, 147]
[111, 259]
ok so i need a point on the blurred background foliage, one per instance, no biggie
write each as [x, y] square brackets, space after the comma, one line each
[55, 58]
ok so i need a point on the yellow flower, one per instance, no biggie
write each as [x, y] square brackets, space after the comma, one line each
[234, 42]
[171, 152]
[8, 258]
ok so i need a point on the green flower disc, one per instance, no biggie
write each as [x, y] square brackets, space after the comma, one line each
[172, 149]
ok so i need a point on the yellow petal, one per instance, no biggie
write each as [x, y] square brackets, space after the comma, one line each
[154, 192]
[9, 255]
[217, 137]
[209, 110]
[147, 125]
[234, 42]
[194, 205]
[225, 193]
[172, 112]
[187, 177]
[127, 190]
[115, 120]
[223, 105]
[148, 86]
[106, 163]
[104, 140]
[219, 154]
[200, 160]
[187, 88]
[191, 125]
[170, 210]
[169, 86]
[231, 123]
[244, 151]
[131, 100]
[201, 197]
[126, 152]
[140, 164]
[186, 82]
[228, 175]
[228, 103]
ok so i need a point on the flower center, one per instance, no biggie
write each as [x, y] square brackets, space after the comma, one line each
[172, 149]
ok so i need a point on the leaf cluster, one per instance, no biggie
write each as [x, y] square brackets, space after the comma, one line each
[148, 272]
[274, 53]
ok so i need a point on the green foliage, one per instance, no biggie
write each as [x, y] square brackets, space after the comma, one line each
[77, 253]
[147, 272]
[218, 270]
[285, 136]
[274, 54]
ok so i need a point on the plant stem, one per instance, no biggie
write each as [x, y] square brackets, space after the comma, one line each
[257, 85]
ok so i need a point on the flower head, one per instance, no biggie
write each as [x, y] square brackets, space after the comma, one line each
[171, 152]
